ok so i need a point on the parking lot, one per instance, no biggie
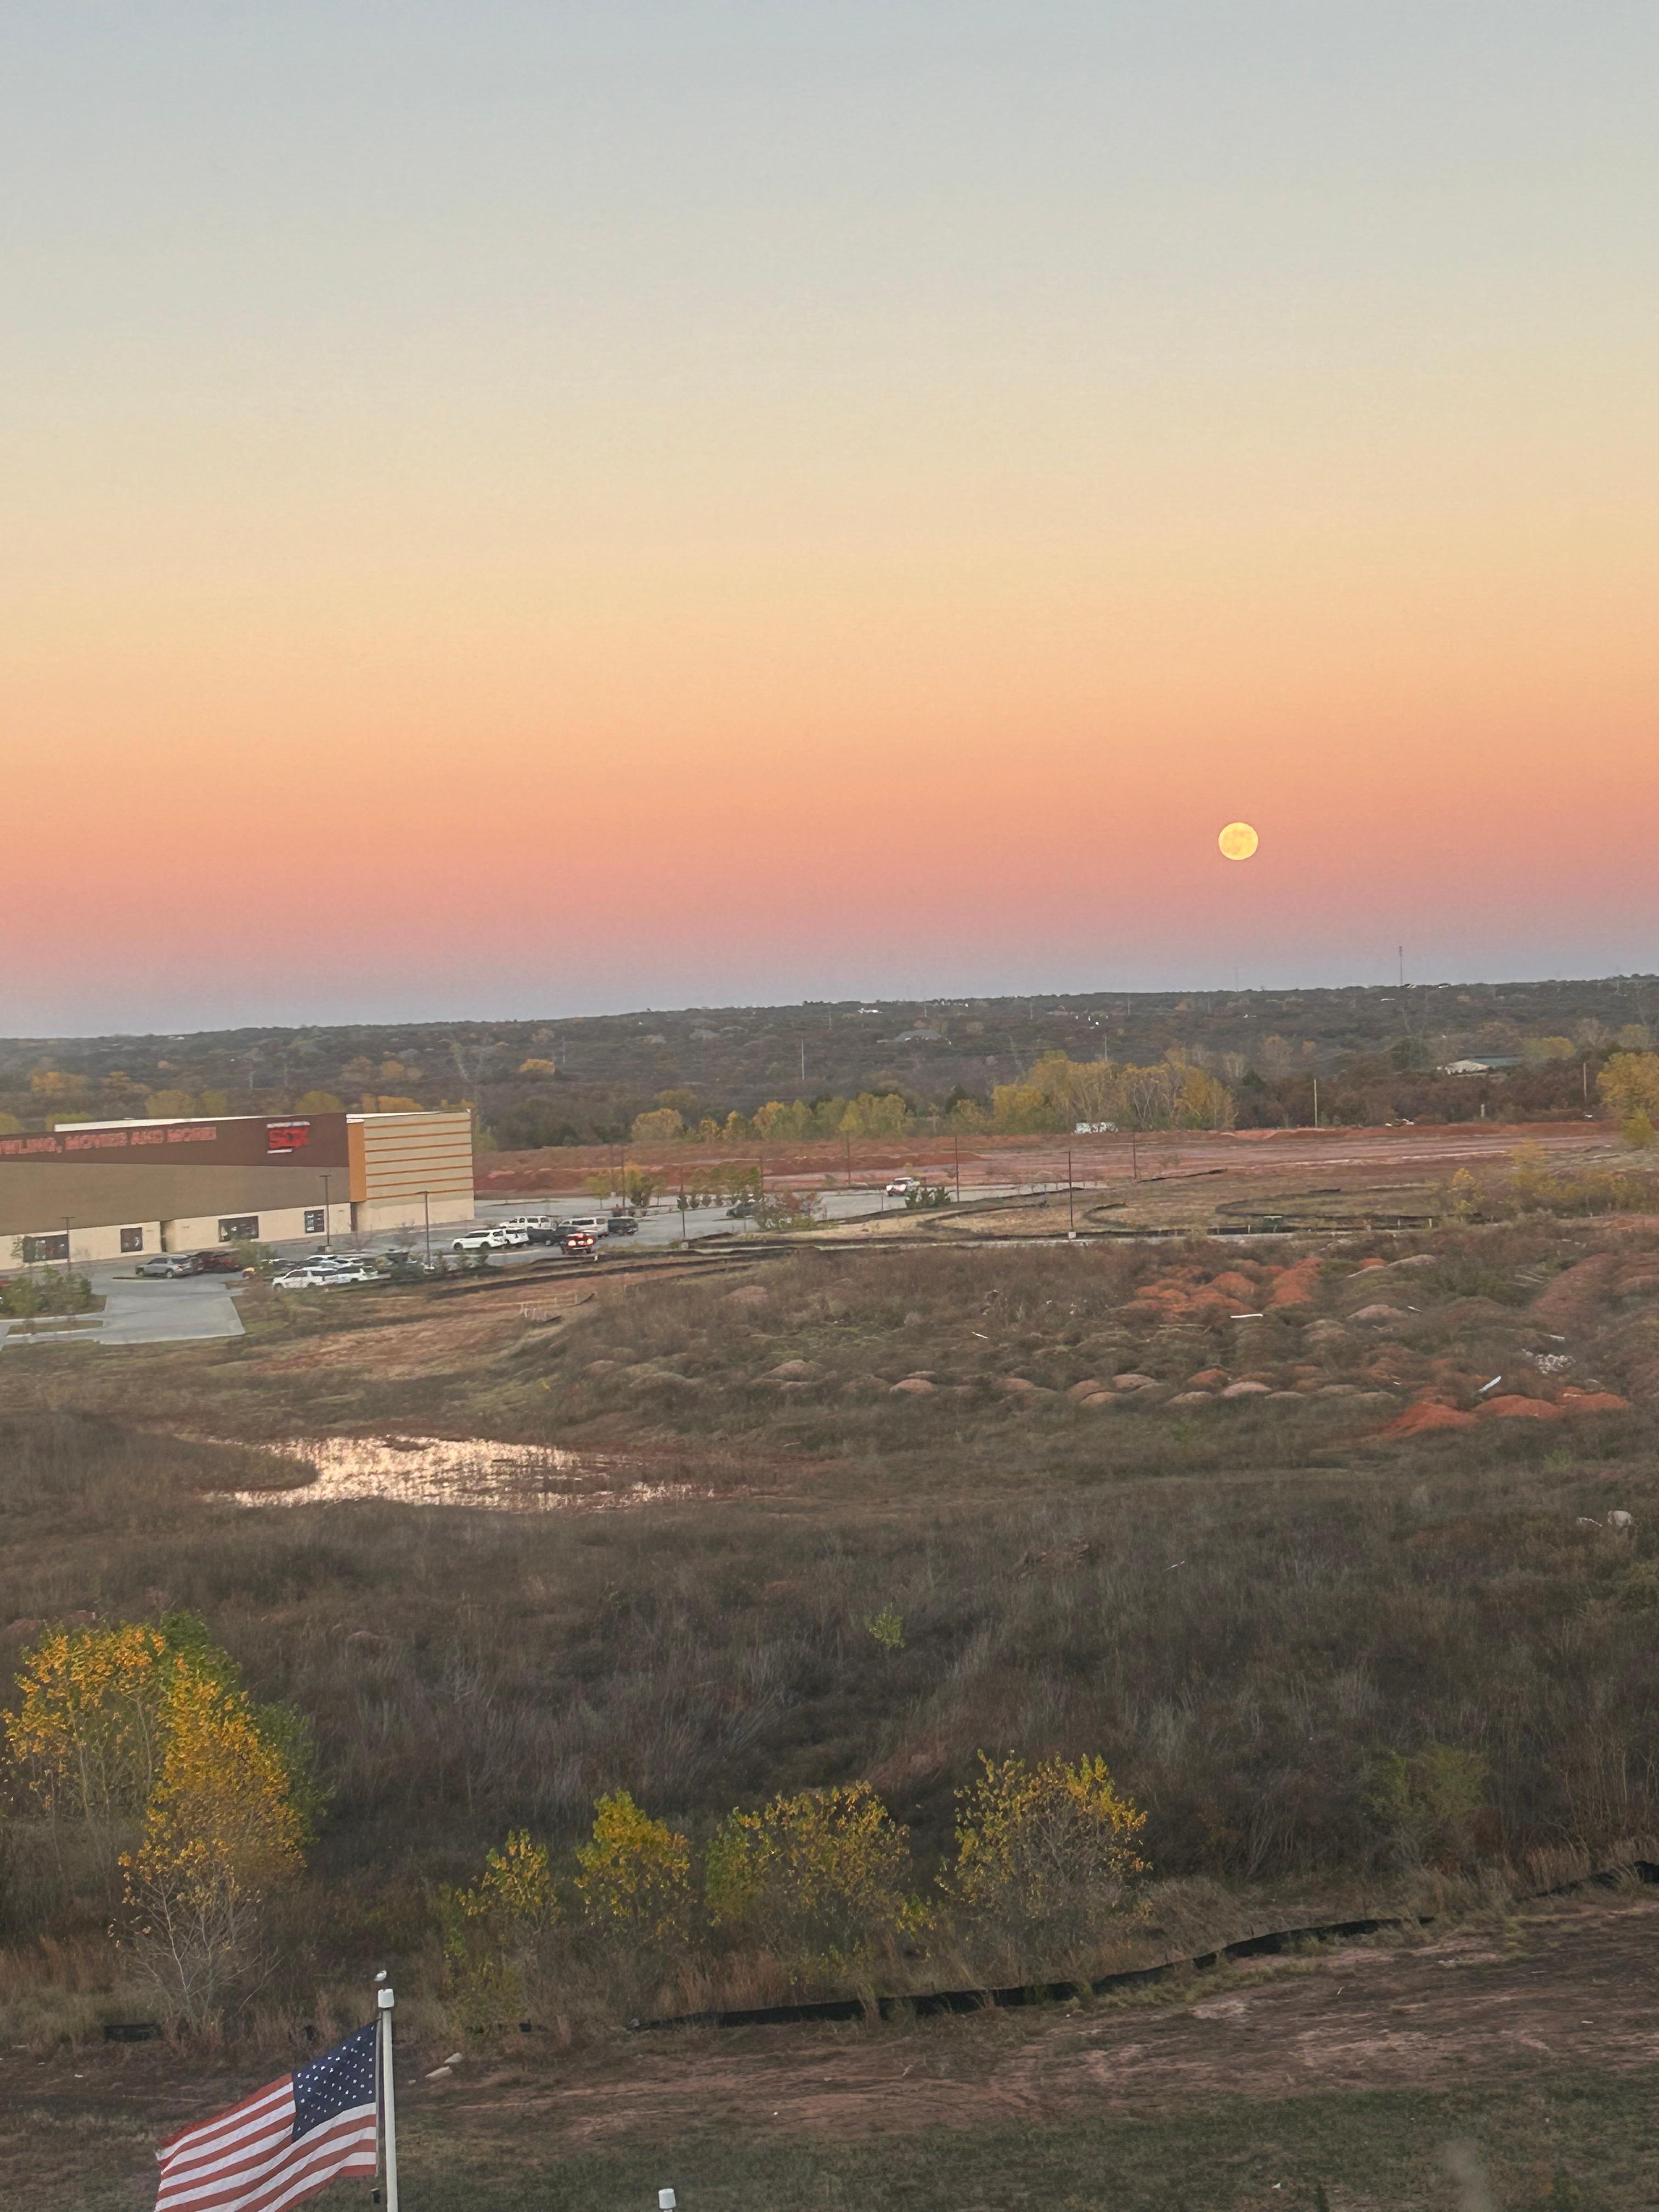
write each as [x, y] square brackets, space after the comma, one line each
[190, 1308]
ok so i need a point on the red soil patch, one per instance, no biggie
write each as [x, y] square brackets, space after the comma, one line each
[1517, 1409]
[1594, 1401]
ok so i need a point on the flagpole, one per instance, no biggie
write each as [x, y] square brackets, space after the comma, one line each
[388, 2098]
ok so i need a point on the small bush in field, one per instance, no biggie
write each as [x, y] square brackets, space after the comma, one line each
[635, 1875]
[1046, 1855]
[492, 1931]
[1429, 1801]
[822, 1879]
[887, 1627]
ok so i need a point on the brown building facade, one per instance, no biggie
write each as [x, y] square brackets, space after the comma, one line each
[102, 1190]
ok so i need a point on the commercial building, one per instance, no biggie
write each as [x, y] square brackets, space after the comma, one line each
[102, 1190]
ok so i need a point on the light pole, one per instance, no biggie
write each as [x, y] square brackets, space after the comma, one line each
[1071, 1211]
[327, 1246]
[426, 1209]
[68, 1263]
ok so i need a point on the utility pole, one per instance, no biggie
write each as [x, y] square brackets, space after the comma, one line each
[803, 1059]
[1316, 1085]
[1401, 951]
[848, 1141]
[1070, 1210]
[328, 1245]
[1134, 1160]
[955, 1150]
[426, 1208]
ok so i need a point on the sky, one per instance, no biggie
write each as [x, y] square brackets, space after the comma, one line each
[536, 507]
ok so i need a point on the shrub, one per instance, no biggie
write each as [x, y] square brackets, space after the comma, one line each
[635, 1875]
[822, 1879]
[1429, 1801]
[1045, 1855]
[493, 1931]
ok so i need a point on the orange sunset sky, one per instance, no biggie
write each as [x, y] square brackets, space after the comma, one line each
[526, 508]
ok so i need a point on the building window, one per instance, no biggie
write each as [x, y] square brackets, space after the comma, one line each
[132, 1240]
[240, 1229]
[37, 1250]
[316, 1225]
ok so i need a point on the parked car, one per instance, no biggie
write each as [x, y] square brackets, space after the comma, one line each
[169, 1265]
[528, 1222]
[481, 1240]
[214, 1263]
[743, 1211]
[324, 1278]
[623, 1225]
[545, 1232]
[594, 1224]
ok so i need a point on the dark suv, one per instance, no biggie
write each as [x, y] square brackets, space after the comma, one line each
[624, 1225]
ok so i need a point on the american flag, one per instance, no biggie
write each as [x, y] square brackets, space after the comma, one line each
[282, 2144]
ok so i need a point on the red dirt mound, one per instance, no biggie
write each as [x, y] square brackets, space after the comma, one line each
[1594, 1401]
[1517, 1409]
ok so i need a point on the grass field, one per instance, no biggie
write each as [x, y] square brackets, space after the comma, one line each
[1396, 1536]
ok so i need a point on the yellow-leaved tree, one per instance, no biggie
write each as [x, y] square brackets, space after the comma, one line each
[167, 1789]
[222, 1834]
[635, 1876]
[1046, 1855]
[821, 1880]
[1630, 1084]
[87, 1732]
[494, 1932]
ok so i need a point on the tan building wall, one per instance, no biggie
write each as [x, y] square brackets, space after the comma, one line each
[89, 1246]
[276, 1224]
[409, 1168]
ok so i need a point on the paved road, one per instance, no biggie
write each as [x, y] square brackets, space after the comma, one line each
[142, 1312]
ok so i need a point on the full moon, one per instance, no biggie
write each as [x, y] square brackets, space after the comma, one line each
[1237, 841]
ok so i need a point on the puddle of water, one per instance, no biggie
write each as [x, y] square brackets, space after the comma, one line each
[459, 1471]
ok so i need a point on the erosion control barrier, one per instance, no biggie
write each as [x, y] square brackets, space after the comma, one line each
[932, 2004]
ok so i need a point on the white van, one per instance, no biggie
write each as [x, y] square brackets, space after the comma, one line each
[596, 1224]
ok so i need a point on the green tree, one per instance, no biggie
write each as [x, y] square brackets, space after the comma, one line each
[874, 1114]
[783, 1121]
[317, 1102]
[1022, 1109]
